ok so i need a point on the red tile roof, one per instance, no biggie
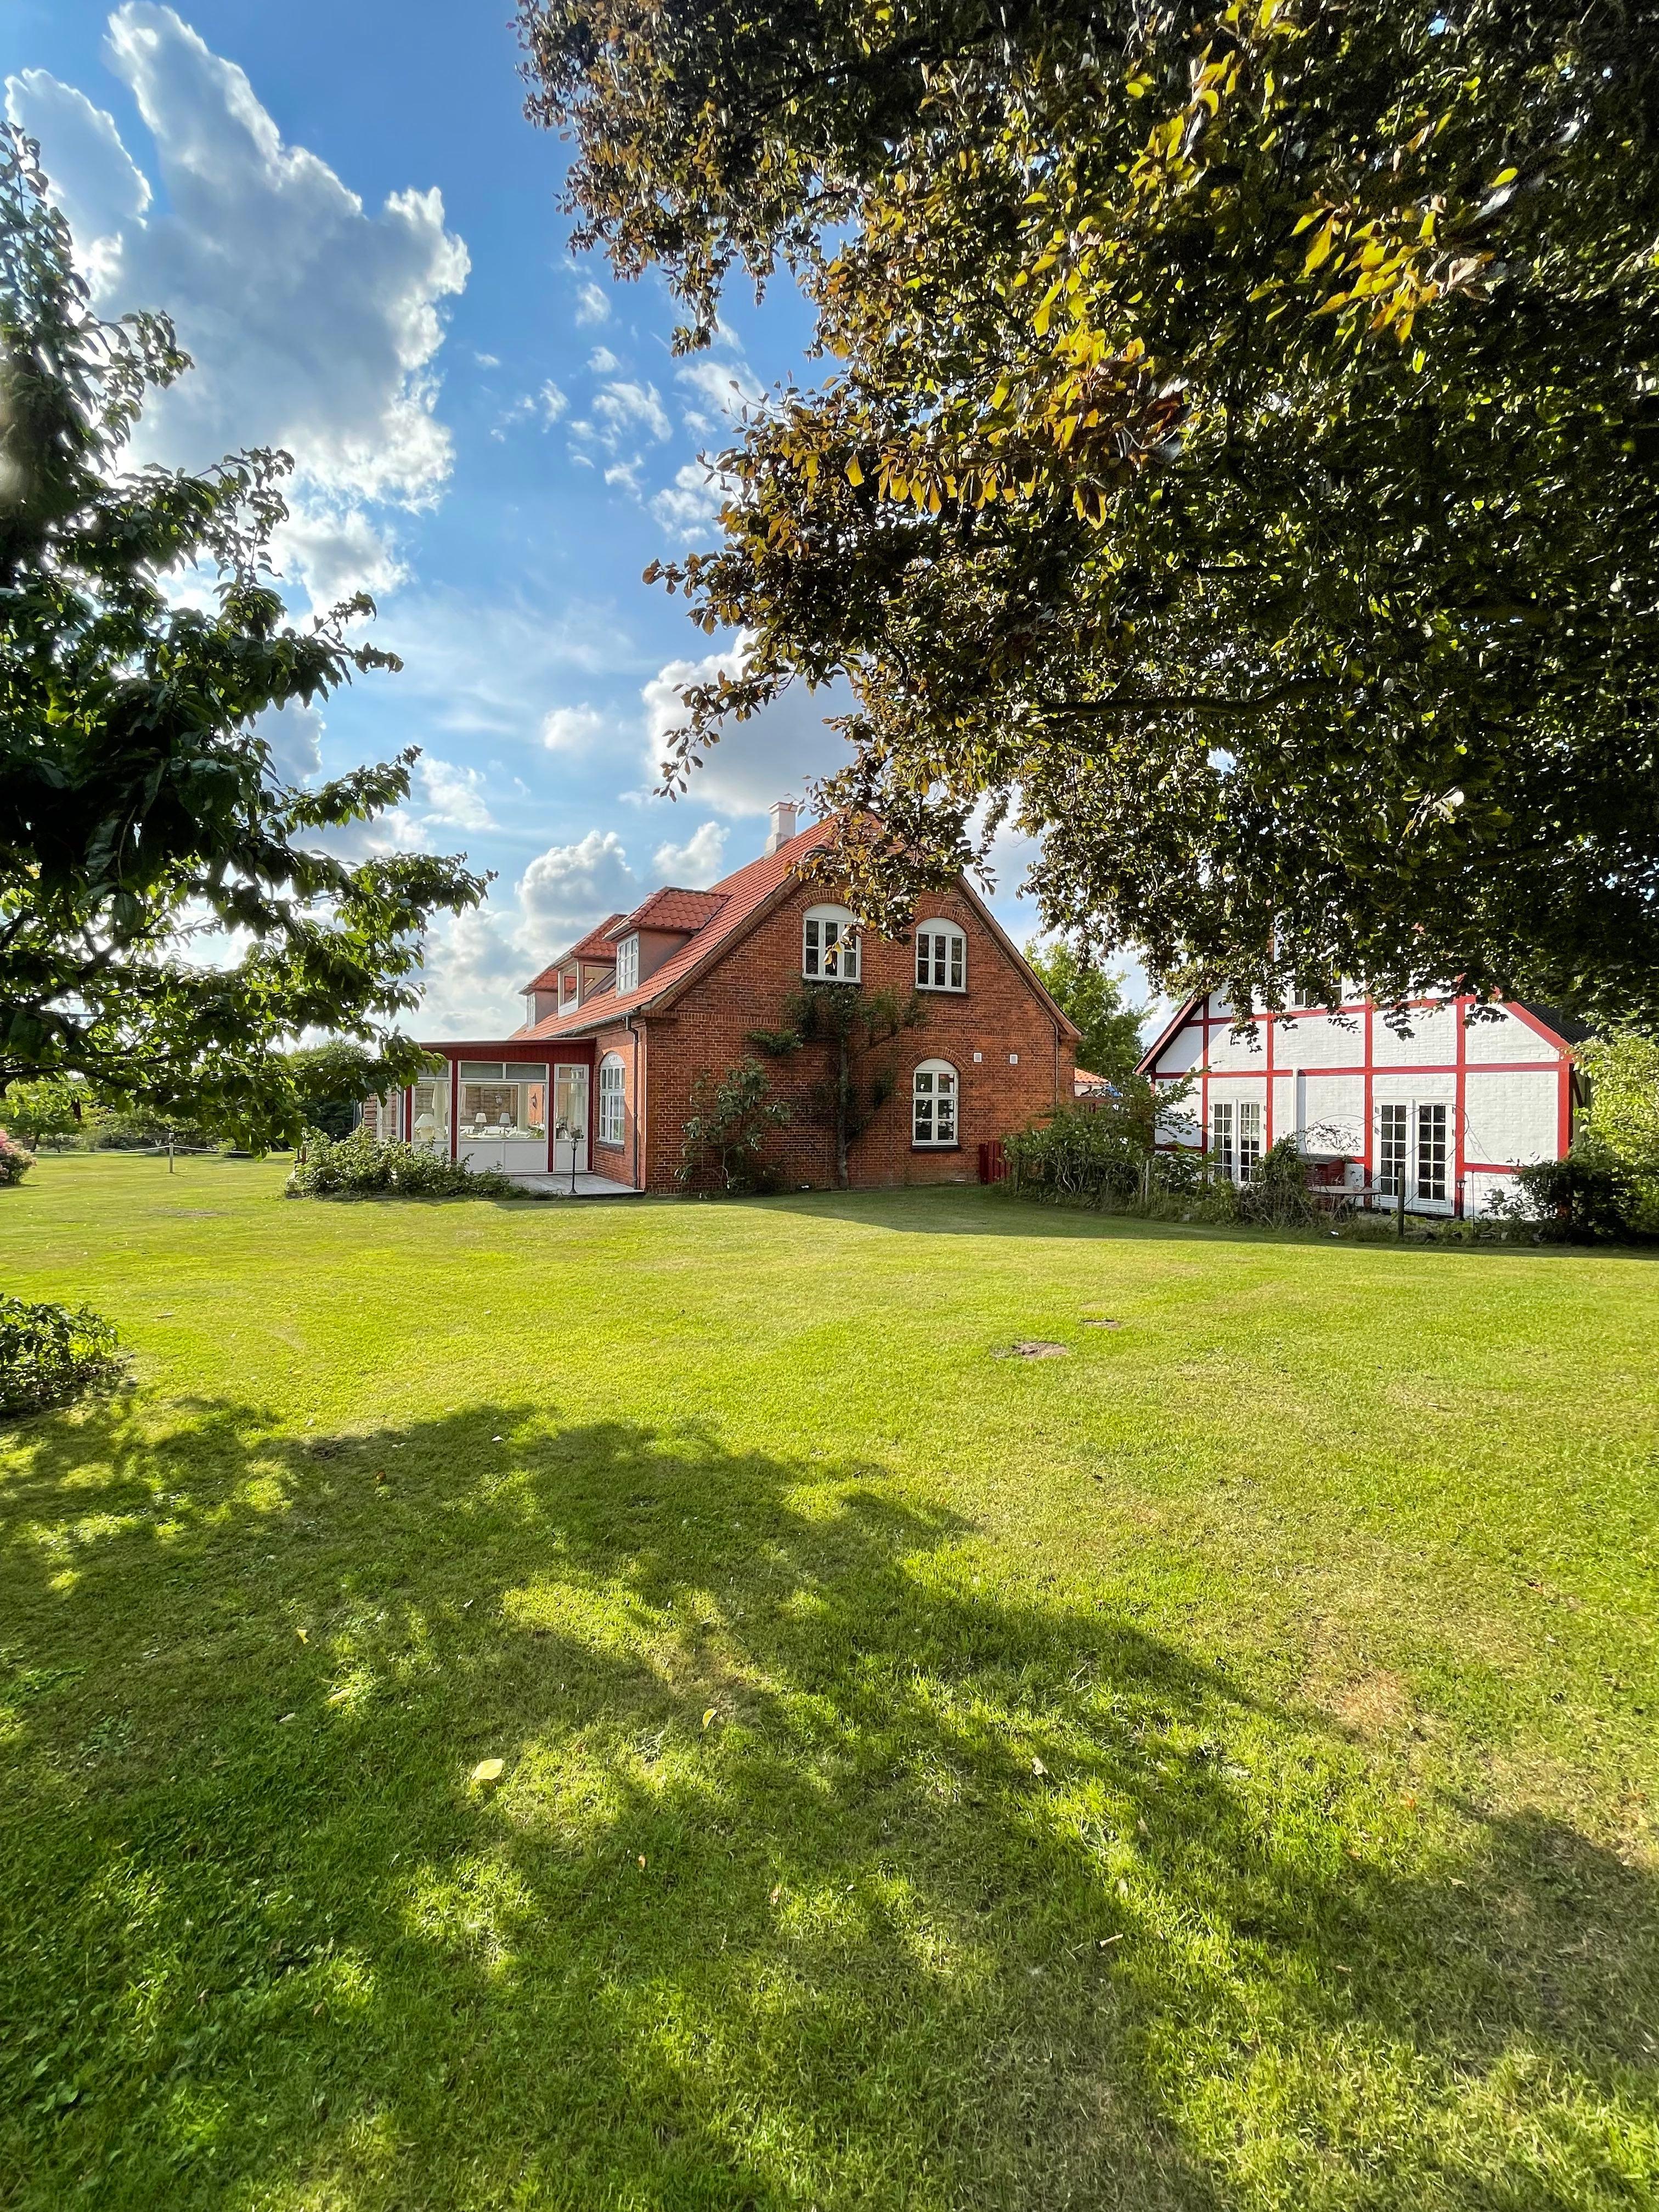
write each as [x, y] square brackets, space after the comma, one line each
[739, 897]
[669, 909]
[595, 946]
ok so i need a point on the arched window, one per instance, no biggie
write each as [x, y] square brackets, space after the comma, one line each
[829, 946]
[933, 1104]
[611, 1100]
[941, 957]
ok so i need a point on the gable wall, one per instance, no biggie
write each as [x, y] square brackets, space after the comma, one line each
[997, 1015]
[1507, 1086]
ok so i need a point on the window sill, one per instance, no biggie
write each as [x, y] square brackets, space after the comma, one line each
[944, 990]
[852, 981]
[915, 1147]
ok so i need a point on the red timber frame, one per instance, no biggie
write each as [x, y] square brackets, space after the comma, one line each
[1196, 1014]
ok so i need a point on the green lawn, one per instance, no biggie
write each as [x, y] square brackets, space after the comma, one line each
[1215, 1769]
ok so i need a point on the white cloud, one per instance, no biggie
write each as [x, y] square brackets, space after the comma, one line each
[697, 863]
[688, 508]
[567, 889]
[453, 795]
[728, 386]
[336, 551]
[93, 177]
[592, 306]
[628, 474]
[547, 406]
[571, 729]
[488, 360]
[774, 753]
[603, 362]
[294, 733]
[315, 326]
[626, 409]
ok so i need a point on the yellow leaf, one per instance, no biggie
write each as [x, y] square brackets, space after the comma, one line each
[1320, 248]
[1038, 1768]
[855, 473]
[712, 1714]
[488, 1770]
[304, 1635]
[642, 1862]
[339, 1696]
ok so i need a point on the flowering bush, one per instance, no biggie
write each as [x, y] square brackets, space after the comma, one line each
[364, 1165]
[14, 1161]
[51, 1355]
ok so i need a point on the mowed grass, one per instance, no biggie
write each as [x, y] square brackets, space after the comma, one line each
[1215, 1769]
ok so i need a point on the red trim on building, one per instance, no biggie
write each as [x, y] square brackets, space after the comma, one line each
[1458, 1109]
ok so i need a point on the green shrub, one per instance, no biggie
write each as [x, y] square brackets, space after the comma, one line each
[366, 1166]
[727, 1132]
[1277, 1195]
[14, 1161]
[51, 1355]
[1590, 1192]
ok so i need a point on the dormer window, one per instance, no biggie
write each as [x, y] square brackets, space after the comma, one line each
[829, 946]
[628, 964]
[941, 957]
[567, 987]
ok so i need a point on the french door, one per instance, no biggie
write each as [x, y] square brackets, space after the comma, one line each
[569, 1118]
[1415, 1147]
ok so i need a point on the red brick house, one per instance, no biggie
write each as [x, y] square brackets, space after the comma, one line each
[618, 1028]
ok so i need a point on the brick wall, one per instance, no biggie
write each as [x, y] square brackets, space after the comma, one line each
[1018, 1072]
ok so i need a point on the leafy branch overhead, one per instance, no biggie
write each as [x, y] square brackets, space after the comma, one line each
[140, 808]
[1236, 458]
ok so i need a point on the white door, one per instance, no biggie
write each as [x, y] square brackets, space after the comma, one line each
[569, 1118]
[1414, 1144]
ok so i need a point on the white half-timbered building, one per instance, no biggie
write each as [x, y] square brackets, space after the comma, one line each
[1451, 1095]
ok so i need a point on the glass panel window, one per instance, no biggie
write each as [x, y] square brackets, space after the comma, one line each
[829, 946]
[503, 1109]
[1431, 1151]
[611, 1100]
[430, 1126]
[1249, 1138]
[1221, 1137]
[482, 1071]
[628, 964]
[570, 1102]
[933, 1093]
[941, 957]
[1392, 1123]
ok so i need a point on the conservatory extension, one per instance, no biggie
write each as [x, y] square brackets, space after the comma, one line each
[523, 1116]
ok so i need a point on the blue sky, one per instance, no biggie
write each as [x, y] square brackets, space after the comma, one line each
[358, 236]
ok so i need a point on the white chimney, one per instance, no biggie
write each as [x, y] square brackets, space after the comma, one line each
[784, 811]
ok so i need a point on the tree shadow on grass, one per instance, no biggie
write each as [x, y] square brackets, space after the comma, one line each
[829, 1865]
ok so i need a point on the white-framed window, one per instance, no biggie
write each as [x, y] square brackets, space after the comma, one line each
[829, 946]
[1393, 1122]
[1249, 1136]
[611, 1095]
[567, 993]
[628, 964]
[1221, 1136]
[933, 1104]
[1432, 1152]
[941, 957]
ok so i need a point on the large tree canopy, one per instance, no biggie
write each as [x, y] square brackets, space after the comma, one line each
[139, 806]
[1236, 454]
